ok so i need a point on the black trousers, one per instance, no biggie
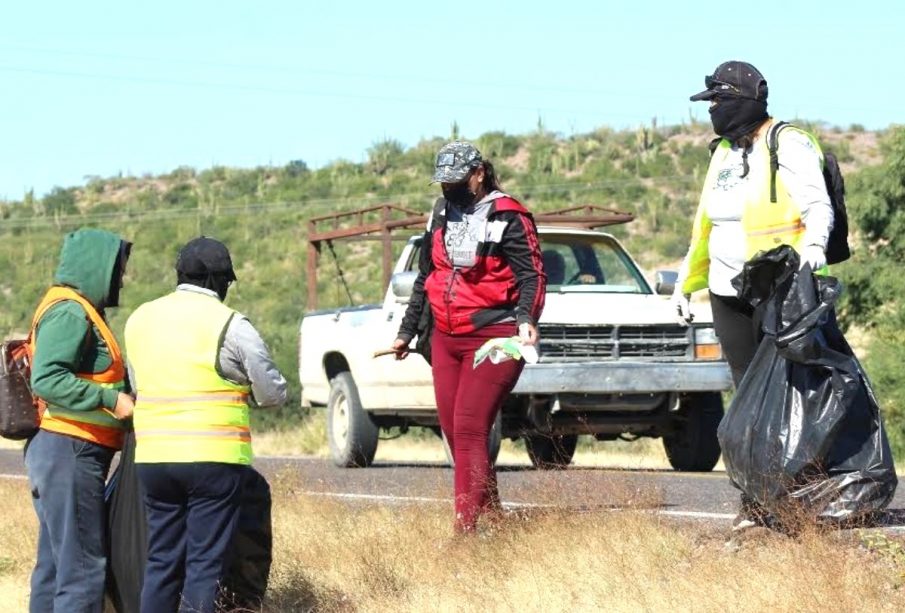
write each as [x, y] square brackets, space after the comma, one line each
[737, 325]
[193, 514]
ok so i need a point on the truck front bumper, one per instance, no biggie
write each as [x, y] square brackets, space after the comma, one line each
[623, 377]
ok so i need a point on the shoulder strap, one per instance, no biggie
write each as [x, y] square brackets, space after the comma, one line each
[437, 212]
[773, 148]
[59, 293]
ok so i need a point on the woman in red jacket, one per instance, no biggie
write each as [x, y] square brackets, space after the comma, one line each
[481, 273]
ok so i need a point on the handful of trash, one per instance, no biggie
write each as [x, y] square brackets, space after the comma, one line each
[501, 349]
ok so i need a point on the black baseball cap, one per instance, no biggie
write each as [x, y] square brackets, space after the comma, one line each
[204, 256]
[734, 78]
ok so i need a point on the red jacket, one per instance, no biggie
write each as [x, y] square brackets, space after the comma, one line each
[506, 281]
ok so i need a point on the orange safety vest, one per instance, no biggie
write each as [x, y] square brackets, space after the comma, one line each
[98, 426]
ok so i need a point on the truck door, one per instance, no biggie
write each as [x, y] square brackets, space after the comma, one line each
[408, 383]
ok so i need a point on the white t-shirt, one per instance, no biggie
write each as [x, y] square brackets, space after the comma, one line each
[801, 172]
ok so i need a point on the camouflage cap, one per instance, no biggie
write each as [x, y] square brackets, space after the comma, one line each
[454, 161]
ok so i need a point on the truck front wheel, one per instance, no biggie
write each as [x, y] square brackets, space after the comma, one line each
[551, 451]
[693, 446]
[351, 433]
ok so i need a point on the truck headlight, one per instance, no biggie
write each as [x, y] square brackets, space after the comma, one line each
[706, 344]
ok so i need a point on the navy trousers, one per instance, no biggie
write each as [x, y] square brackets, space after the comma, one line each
[67, 482]
[192, 514]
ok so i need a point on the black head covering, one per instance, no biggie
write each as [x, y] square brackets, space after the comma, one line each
[734, 78]
[119, 270]
[205, 262]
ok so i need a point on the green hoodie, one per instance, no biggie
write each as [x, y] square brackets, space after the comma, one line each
[63, 344]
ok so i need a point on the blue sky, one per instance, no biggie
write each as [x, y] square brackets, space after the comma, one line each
[99, 88]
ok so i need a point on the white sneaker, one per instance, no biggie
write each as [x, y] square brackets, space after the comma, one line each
[742, 522]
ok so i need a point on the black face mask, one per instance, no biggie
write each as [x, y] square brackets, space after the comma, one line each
[119, 270]
[459, 194]
[218, 283]
[734, 117]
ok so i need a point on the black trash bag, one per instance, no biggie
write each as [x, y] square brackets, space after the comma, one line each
[249, 569]
[252, 548]
[804, 430]
[127, 532]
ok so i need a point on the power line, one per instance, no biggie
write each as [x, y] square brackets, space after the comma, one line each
[297, 69]
[211, 85]
[237, 210]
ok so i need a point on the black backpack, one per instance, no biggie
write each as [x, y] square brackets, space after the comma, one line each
[837, 249]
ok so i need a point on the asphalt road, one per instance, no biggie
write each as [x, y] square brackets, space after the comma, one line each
[697, 496]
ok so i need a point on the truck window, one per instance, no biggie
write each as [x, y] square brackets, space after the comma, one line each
[412, 263]
[589, 263]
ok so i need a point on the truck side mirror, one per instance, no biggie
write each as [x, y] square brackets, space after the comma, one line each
[666, 282]
[403, 283]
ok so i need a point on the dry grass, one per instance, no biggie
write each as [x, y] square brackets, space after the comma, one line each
[18, 543]
[334, 557]
[8, 444]
[404, 559]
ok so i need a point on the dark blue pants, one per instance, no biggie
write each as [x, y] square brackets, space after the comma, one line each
[67, 481]
[192, 513]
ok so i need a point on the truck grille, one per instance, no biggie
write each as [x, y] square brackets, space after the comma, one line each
[566, 343]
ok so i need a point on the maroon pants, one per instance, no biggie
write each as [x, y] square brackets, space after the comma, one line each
[468, 399]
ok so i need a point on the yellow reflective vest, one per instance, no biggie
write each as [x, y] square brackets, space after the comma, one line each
[184, 410]
[766, 224]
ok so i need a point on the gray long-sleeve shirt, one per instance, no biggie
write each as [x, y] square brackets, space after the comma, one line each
[244, 358]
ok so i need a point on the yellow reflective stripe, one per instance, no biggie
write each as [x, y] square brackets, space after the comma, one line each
[780, 229]
[240, 435]
[225, 397]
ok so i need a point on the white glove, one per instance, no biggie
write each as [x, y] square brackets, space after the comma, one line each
[813, 255]
[681, 304]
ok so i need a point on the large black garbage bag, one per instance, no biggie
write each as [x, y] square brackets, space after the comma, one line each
[249, 570]
[804, 426]
[127, 533]
[252, 553]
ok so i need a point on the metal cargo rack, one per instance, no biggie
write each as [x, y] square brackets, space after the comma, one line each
[377, 223]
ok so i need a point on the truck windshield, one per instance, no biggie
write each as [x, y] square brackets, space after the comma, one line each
[589, 264]
[580, 263]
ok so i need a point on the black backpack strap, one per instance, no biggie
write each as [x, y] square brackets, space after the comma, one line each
[773, 148]
[438, 215]
[712, 145]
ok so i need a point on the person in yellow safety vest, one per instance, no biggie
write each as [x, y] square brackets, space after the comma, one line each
[736, 218]
[196, 365]
[79, 379]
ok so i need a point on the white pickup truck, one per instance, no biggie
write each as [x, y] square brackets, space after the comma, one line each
[614, 363]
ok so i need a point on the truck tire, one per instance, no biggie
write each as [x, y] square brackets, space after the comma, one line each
[693, 445]
[494, 441]
[549, 451]
[351, 433]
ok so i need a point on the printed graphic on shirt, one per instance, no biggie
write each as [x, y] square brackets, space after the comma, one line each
[728, 178]
[462, 240]
[465, 232]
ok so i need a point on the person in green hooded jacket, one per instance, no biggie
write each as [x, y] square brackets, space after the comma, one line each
[79, 378]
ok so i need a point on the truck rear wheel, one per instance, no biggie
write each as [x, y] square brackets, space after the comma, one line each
[494, 441]
[351, 433]
[693, 445]
[548, 451]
